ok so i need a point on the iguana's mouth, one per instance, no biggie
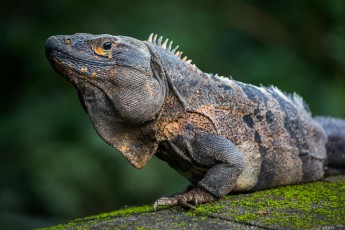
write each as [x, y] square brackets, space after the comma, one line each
[57, 54]
[64, 70]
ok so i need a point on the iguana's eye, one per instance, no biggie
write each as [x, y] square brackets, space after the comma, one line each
[107, 45]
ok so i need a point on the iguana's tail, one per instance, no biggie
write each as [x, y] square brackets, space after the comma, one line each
[335, 130]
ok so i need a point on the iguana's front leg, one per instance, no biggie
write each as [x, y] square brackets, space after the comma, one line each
[224, 162]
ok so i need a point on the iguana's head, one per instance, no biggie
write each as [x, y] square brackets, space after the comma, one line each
[115, 70]
[120, 83]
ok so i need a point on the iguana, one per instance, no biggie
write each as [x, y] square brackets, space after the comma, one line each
[221, 134]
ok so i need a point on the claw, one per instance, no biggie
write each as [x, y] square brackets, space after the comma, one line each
[155, 205]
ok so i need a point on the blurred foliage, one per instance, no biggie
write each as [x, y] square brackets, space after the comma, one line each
[54, 166]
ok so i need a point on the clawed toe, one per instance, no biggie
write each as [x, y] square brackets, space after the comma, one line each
[188, 200]
[170, 201]
[178, 200]
[187, 205]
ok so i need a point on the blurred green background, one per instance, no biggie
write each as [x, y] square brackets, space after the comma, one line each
[54, 167]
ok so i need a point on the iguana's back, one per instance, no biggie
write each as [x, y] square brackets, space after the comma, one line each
[280, 141]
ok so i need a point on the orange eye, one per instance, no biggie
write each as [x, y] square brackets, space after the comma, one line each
[104, 49]
[101, 52]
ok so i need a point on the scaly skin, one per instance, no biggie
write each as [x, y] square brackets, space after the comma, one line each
[222, 135]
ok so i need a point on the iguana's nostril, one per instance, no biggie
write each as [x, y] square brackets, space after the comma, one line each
[68, 41]
[51, 44]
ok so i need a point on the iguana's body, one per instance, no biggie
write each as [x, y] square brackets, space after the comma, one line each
[221, 134]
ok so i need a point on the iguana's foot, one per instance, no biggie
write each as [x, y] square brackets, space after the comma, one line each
[187, 200]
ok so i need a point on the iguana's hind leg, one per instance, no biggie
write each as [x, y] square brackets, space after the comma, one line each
[224, 162]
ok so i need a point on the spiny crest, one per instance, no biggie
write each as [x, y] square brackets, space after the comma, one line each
[298, 100]
[153, 38]
[222, 78]
[294, 98]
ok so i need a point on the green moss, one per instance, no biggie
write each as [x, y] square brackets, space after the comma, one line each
[304, 206]
[121, 212]
[203, 218]
[206, 210]
[312, 205]
[181, 224]
[300, 206]
[83, 223]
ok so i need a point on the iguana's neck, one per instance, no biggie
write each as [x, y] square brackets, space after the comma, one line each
[180, 77]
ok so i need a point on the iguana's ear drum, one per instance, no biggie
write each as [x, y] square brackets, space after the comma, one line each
[132, 141]
[156, 65]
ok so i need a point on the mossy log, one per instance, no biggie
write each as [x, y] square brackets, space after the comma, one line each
[307, 206]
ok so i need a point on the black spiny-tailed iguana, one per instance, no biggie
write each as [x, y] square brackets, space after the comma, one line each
[221, 134]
